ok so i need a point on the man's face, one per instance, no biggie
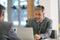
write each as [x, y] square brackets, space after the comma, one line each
[2, 15]
[38, 14]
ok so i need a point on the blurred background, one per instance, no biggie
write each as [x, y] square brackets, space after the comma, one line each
[18, 11]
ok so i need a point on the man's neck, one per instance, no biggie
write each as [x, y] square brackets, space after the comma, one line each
[40, 20]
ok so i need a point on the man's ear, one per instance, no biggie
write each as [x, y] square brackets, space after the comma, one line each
[43, 13]
[2, 14]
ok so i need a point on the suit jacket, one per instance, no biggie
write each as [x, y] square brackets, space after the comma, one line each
[43, 28]
[6, 32]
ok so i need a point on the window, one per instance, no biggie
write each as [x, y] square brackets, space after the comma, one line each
[23, 12]
[36, 2]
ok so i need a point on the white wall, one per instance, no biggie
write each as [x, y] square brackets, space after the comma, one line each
[54, 13]
[51, 10]
[46, 4]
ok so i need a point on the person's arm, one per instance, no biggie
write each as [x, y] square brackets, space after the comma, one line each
[45, 35]
[12, 35]
[48, 31]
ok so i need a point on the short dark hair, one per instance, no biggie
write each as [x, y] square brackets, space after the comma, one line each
[39, 7]
[1, 8]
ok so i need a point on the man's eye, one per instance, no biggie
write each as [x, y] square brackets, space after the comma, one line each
[37, 14]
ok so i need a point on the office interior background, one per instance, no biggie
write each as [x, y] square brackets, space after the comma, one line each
[18, 11]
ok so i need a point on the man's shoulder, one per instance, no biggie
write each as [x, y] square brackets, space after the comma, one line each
[47, 19]
[31, 20]
[4, 27]
[5, 24]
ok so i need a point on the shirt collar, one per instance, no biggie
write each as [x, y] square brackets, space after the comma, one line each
[41, 20]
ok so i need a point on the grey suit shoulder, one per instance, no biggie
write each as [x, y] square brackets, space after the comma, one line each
[4, 29]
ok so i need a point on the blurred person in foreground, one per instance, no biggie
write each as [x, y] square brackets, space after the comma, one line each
[6, 32]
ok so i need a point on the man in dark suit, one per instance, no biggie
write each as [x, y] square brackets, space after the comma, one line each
[6, 33]
[41, 25]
